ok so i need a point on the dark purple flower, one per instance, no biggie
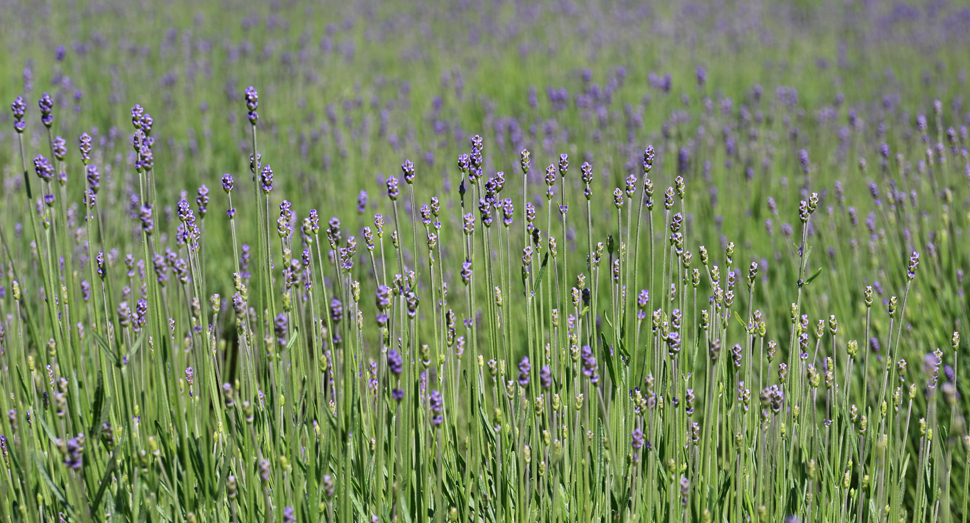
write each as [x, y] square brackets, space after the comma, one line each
[280, 328]
[545, 377]
[436, 404]
[395, 363]
[252, 103]
[524, 369]
[73, 452]
[701, 75]
[227, 182]
[336, 310]
[94, 178]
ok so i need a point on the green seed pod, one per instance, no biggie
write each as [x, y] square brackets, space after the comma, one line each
[852, 348]
[231, 487]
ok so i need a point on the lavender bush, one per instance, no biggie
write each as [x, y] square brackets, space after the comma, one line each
[484, 262]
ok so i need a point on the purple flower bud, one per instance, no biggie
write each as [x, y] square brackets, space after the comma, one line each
[73, 452]
[395, 363]
[46, 105]
[913, 265]
[60, 148]
[701, 74]
[266, 179]
[43, 168]
[252, 103]
[202, 199]
[392, 189]
[19, 109]
[436, 404]
[408, 169]
[545, 377]
[136, 113]
[524, 368]
[637, 441]
[336, 310]
[280, 327]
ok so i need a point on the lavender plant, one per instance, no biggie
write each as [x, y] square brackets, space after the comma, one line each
[719, 303]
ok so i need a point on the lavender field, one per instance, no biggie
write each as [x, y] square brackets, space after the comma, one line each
[484, 261]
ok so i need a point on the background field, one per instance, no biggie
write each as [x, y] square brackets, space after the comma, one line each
[810, 150]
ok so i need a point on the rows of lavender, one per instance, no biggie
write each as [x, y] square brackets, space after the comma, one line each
[483, 285]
